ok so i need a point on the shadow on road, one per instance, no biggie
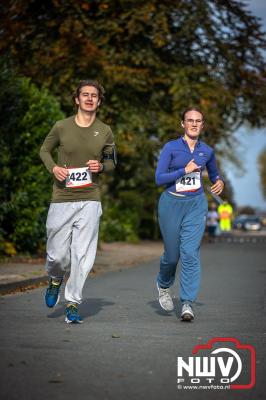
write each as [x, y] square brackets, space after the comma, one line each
[88, 308]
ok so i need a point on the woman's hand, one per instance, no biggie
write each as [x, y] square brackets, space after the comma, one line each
[218, 187]
[191, 167]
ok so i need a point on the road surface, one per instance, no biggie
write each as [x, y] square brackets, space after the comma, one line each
[127, 348]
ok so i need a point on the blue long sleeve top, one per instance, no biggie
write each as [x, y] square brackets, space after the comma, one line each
[175, 155]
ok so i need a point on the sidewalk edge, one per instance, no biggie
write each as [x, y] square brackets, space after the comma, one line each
[21, 285]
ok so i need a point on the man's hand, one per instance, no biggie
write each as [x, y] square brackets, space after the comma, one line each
[60, 173]
[94, 166]
[218, 187]
[191, 167]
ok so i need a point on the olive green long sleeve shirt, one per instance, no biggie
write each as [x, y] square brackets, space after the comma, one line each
[75, 146]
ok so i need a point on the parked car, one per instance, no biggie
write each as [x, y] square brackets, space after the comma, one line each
[252, 223]
[247, 223]
[239, 221]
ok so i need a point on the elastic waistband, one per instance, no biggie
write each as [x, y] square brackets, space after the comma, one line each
[183, 198]
[177, 194]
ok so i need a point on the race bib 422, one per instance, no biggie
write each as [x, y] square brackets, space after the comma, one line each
[78, 177]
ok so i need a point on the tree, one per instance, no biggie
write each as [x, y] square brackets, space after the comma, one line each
[27, 115]
[247, 210]
[262, 170]
[170, 54]
[155, 59]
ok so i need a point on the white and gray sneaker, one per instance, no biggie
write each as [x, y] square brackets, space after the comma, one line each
[187, 313]
[165, 299]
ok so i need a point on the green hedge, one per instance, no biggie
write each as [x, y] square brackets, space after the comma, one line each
[28, 114]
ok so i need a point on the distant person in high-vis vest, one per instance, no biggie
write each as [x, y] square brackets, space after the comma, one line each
[225, 212]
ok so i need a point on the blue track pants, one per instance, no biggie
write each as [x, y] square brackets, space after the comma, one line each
[182, 223]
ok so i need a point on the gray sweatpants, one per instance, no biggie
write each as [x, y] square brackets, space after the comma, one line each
[72, 236]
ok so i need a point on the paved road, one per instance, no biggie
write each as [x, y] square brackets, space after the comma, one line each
[127, 347]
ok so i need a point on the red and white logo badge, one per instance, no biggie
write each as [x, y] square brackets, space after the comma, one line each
[222, 363]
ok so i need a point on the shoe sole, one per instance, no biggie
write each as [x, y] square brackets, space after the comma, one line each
[165, 309]
[68, 321]
[187, 317]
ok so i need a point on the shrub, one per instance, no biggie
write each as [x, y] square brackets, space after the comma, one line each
[28, 114]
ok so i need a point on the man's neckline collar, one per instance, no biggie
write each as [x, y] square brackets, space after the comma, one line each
[84, 127]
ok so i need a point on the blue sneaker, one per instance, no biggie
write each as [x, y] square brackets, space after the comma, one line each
[52, 293]
[72, 315]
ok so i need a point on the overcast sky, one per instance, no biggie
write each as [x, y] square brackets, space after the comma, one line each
[247, 189]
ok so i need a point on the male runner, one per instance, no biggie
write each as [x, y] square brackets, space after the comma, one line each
[85, 148]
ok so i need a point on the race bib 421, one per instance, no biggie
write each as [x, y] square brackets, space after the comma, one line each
[78, 177]
[189, 182]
